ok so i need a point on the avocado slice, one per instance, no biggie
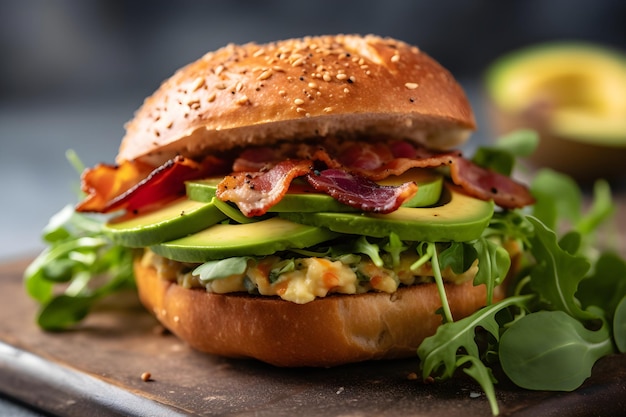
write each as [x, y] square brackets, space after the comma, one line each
[580, 84]
[458, 218]
[172, 221]
[260, 238]
[302, 198]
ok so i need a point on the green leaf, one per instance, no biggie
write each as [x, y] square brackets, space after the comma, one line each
[601, 209]
[438, 353]
[395, 247]
[494, 263]
[372, 250]
[619, 326]
[484, 376]
[606, 285]
[501, 156]
[64, 311]
[222, 268]
[557, 273]
[558, 198]
[519, 143]
[550, 350]
[458, 256]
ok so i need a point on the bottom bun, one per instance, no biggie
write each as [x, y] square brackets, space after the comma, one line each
[328, 331]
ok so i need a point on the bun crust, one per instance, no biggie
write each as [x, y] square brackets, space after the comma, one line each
[326, 332]
[342, 86]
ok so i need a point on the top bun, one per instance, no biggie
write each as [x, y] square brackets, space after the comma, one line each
[343, 86]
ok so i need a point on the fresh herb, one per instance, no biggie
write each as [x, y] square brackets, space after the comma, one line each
[80, 266]
[568, 308]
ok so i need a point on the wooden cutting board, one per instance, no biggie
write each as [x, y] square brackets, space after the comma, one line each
[96, 370]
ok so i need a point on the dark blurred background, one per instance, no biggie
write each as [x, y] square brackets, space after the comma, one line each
[72, 72]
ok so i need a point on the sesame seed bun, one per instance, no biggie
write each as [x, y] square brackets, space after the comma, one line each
[329, 331]
[343, 86]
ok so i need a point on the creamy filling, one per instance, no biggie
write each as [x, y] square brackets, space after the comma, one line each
[308, 278]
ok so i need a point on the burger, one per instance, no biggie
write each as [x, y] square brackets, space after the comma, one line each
[304, 202]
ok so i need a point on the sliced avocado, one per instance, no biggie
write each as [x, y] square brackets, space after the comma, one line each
[458, 218]
[179, 218]
[581, 84]
[251, 239]
[303, 198]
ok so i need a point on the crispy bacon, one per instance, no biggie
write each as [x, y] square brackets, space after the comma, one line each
[255, 192]
[132, 186]
[359, 192]
[484, 184]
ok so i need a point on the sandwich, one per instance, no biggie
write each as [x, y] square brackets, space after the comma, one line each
[292, 202]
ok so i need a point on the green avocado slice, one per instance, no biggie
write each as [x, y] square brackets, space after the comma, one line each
[172, 221]
[260, 238]
[299, 198]
[458, 218]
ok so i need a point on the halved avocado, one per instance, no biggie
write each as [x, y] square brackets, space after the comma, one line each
[574, 96]
[251, 239]
[583, 85]
[303, 198]
[179, 218]
[458, 218]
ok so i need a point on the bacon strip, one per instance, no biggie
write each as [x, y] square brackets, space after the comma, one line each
[255, 192]
[485, 185]
[128, 187]
[359, 192]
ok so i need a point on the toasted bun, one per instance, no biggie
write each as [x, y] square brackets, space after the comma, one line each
[329, 331]
[342, 86]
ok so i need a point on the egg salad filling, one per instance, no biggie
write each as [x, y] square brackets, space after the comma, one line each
[301, 280]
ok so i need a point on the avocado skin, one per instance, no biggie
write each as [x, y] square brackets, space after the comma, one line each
[172, 221]
[260, 238]
[459, 218]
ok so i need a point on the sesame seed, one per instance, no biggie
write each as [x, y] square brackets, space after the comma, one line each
[278, 68]
[238, 86]
[300, 110]
[258, 53]
[212, 97]
[411, 86]
[346, 90]
[197, 83]
[169, 125]
[282, 93]
[395, 58]
[341, 76]
[312, 85]
[219, 69]
[328, 109]
[221, 86]
[298, 62]
[298, 102]
[352, 79]
[242, 100]
[327, 77]
[265, 75]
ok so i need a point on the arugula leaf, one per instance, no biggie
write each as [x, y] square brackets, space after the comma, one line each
[550, 350]
[438, 353]
[458, 256]
[606, 285]
[484, 376]
[222, 268]
[558, 198]
[501, 156]
[557, 273]
[79, 266]
[619, 325]
[493, 265]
